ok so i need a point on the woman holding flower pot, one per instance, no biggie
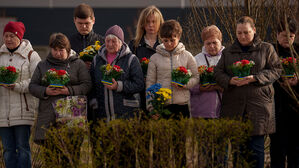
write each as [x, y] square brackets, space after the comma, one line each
[251, 97]
[62, 60]
[17, 112]
[171, 60]
[116, 95]
[206, 99]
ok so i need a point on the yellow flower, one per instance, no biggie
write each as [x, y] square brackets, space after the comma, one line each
[97, 47]
[97, 43]
[159, 99]
[89, 48]
[81, 54]
[108, 67]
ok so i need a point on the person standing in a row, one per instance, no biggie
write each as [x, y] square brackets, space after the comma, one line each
[206, 100]
[170, 55]
[252, 97]
[147, 38]
[84, 20]
[285, 142]
[17, 106]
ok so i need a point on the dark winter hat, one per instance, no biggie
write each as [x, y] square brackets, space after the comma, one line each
[16, 28]
[117, 31]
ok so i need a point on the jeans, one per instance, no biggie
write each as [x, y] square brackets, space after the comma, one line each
[15, 141]
[256, 146]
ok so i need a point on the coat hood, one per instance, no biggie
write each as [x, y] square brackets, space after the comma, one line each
[177, 51]
[72, 57]
[23, 50]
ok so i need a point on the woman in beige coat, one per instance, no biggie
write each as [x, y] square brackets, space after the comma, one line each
[17, 106]
[170, 55]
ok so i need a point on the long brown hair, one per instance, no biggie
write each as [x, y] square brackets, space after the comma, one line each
[145, 13]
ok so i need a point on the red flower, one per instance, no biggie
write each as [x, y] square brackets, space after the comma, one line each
[116, 68]
[52, 69]
[210, 69]
[291, 60]
[11, 68]
[143, 59]
[245, 62]
[61, 72]
[183, 69]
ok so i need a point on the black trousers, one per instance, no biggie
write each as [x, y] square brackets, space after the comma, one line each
[178, 111]
[285, 146]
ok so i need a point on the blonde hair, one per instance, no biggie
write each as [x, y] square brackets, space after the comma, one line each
[211, 31]
[145, 13]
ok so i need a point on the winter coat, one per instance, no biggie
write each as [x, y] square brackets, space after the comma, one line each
[161, 65]
[205, 104]
[17, 106]
[79, 84]
[143, 49]
[79, 42]
[286, 108]
[120, 103]
[255, 100]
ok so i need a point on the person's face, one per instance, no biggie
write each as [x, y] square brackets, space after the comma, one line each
[245, 33]
[113, 45]
[59, 53]
[152, 25]
[284, 40]
[84, 26]
[11, 41]
[170, 43]
[212, 45]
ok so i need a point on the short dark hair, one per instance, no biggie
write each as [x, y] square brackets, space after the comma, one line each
[83, 11]
[59, 40]
[170, 28]
[282, 26]
[246, 19]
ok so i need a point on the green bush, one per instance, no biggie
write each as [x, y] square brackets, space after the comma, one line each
[147, 143]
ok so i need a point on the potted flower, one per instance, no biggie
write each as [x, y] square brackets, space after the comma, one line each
[157, 98]
[180, 76]
[8, 75]
[242, 68]
[289, 64]
[206, 75]
[89, 52]
[144, 65]
[110, 72]
[56, 78]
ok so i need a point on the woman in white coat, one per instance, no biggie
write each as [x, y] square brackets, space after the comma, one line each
[17, 105]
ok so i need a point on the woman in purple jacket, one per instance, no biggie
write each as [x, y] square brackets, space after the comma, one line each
[206, 100]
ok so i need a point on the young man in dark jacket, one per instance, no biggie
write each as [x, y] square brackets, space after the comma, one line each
[84, 20]
[285, 142]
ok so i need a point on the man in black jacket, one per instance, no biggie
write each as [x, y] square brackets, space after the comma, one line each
[285, 142]
[84, 20]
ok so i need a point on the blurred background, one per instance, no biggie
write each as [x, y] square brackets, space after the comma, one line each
[43, 17]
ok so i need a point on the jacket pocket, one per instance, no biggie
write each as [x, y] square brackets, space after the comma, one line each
[267, 92]
[132, 102]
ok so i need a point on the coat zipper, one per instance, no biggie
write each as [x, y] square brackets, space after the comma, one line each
[171, 77]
